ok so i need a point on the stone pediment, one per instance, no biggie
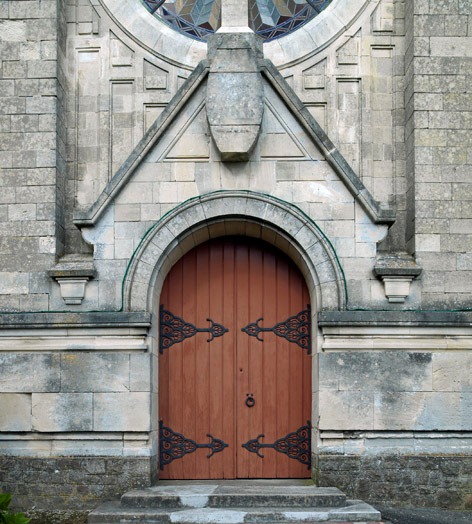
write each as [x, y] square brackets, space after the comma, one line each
[181, 133]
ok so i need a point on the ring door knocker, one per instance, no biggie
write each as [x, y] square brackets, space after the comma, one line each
[250, 400]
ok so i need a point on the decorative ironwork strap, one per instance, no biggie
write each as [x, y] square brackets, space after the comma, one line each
[173, 329]
[296, 445]
[295, 329]
[173, 446]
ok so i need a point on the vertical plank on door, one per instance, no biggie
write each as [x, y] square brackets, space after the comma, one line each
[269, 372]
[242, 356]
[216, 399]
[255, 270]
[202, 390]
[229, 371]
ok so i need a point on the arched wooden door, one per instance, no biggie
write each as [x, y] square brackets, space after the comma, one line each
[234, 365]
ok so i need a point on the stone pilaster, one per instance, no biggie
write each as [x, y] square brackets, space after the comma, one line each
[31, 150]
[439, 187]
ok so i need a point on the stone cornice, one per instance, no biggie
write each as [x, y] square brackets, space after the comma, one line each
[96, 319]
[395, 318]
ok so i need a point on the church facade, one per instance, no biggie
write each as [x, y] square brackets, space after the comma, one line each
[236, 254]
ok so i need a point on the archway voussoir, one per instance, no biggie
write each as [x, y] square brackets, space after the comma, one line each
[234, 227]
[304, 237]
[329, 294]
[275, 215]
[218, 229]
[194, 214]
[317, 253]
[269, 235]
[178, 225]
[325, 272]
[143, 272]
[152, 253]
[200, 234]
[138, 297]
[163, 237]
[257, 208]
[253, 229]
[220, 207]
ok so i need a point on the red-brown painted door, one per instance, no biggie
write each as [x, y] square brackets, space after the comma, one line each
[221, 387]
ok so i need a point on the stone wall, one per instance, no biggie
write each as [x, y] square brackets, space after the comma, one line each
[438, 101]
[65, 489]
[30, 217]
[401, 480]
[83, 391]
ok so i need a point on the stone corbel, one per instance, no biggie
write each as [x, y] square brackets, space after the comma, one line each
[234, 101]
[396, 271]
[72, 273]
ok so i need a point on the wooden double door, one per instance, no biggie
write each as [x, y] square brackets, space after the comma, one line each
[235, 364]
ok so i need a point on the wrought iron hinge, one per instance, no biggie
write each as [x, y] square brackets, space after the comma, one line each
[173, 445]
[173, 329]
[296, 329]
[296, 445]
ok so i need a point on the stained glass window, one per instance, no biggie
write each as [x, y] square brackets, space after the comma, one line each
[270, 19]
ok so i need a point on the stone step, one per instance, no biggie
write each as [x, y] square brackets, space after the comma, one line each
[234, 494]
[352, 512]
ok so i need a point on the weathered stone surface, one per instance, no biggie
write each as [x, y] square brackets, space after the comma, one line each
[121, 411]
[62, 412]
[234, 101]
[346, 410]
[95, 372]
[27, 372]
[400, 480]
[387, 371]
[15, 412]
[70, 483]
[452, 371]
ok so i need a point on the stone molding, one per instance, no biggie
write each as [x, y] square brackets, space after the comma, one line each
[378, 213]
[116, 339]
[66, 320]
[235, 212]
[377, 443]
[159, 39]
[406, 319]
[396, 338]
[91, 444]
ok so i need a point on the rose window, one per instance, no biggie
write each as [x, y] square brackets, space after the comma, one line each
[270, 19]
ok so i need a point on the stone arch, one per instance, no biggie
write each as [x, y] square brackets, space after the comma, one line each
[159, 39]
[235, 213]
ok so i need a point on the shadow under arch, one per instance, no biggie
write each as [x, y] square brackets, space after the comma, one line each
[245, 213]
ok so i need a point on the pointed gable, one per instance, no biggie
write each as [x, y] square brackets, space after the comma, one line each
[180, 134]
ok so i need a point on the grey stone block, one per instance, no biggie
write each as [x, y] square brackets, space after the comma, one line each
[15, 412]
[387, 371]
[62, 412]
[346, 410]
[94, 372]
[29, 372]
[121, 412]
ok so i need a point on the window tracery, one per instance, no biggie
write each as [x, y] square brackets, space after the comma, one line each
[271, 19]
